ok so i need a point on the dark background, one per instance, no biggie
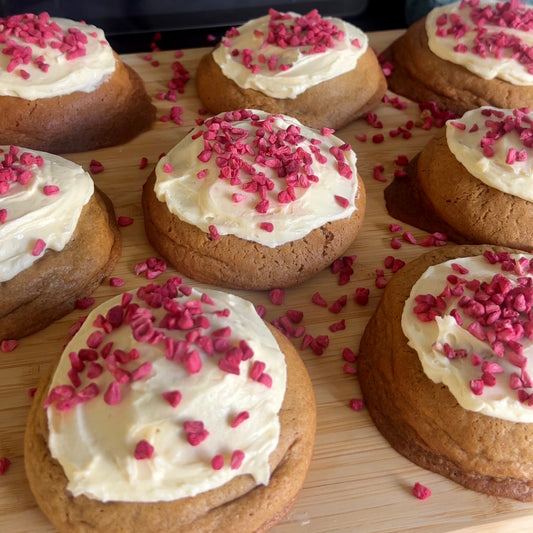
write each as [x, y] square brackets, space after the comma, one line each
[130, 26]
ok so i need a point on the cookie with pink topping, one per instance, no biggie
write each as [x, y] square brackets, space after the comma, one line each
[63, 89]
[466, 54]
[445, 367]
[254, 200]
[157, 453]
[473, 181]
[58, 239]
[319, 70]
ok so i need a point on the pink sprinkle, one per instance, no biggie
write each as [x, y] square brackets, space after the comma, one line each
[8, 345]
[400, 173]
[318, 300]
[337, 326]
[172, 397]
[96, 167]
[237, 197]
[326, 131]
[361, 137]
[195, 431]
[240, 418]
[343, 202]
[50, 190]
[116, 282]
[3, 215]
[378, 138]
[276, 296]
[395, 243]
[143, 450]
[85, 303]
[124, 221]
[402, 160]
[217, 463]
[409, 237]
[267, 226]
[4, 465]
[38, 247]
[356, 404]
[94, 370]
[381, 281]
[349, 355]
[361, 295]
[378, 173]
[141, 371]
[143, 163]
[458, 125]
[420, 491]
[213, 232]
[476, 386]
[112, 395]
[338, 305]
[394, 228]
[237, 457]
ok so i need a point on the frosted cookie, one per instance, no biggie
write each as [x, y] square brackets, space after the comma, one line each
[318, 70]
[473, 181]
[465, 55]
[254, 200]
[63, 89]
[58, 239]
[172, 409]
[447, 381]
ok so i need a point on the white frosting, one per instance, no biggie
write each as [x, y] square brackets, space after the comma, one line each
[466, 145]
[425, 337]
[208, 201]
[95, 442]
[306, 69]
[63, 75]
[33, 215]
[508, 67]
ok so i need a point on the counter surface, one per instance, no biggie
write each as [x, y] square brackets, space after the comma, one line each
[357, 482]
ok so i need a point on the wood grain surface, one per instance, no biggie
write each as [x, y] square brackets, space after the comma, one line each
[357, 482]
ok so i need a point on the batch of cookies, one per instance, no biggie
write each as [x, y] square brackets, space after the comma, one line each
[174, 408]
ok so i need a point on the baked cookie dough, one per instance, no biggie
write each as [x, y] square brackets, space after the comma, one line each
[254, 200]
[58, 239]
[157, 453]
[476, 55]
[318, 70]
[442, 382]
[63, 89]
[472, 181]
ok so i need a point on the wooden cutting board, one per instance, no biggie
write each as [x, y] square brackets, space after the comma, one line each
[357, 482]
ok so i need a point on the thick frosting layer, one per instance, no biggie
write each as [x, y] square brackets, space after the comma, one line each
[264, 178]
[490, 38]
[178, 396]
[476, 336]
[496, 146]
[41, 198]
[44, 56]
[283, 54]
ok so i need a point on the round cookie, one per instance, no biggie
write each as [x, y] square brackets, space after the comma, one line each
[329, 100]
[48, 288]
[419, 416]
[69, 96]
[232, 241]
[421, 75]
[238, 504]
[441, 194]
